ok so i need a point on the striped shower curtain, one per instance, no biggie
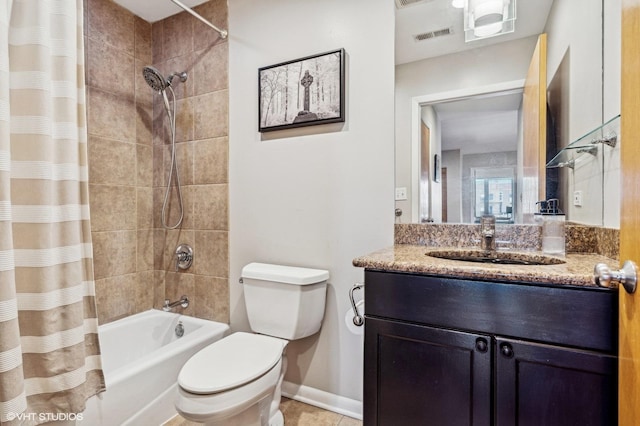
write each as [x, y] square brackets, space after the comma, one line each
[49, 352]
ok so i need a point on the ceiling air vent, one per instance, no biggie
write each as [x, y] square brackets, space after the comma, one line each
[433, 34]
[400, 4]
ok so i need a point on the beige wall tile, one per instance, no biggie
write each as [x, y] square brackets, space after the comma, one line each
[172, 210]
[179, 64]
[112, 116]
[111, 161]
[157, 35]
[144, 93]
[210, 161]
[187, 201]
[210, 69]
[144, 208]
[158, 289]
[210, 207]
[112, 24]
[124, 114]
[116, 297]
[159, 171]
[215, 11]
[161, 127]
[144, 253]
[114, 253]
[102, 294]
[211, 299]
[112, 207]
[142, 41]
[211, 115]
[184, 120]
[110, 69]
[177, 37]
[184, 158]
[212, 253]
[144, 124]
[172, 239]
[144, 291]
[178, 284]
[144, 165]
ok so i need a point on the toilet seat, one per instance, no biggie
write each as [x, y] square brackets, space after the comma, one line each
[230, 362]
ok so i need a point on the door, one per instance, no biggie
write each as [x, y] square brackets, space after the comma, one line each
[425, 173]
[549, 385]
[629, 322]
[534, 110]
[419, 375]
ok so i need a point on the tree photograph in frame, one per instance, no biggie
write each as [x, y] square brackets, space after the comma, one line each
[303, 92]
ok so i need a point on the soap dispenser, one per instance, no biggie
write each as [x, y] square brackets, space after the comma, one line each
[553, 221]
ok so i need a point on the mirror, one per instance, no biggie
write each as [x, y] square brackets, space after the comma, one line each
[458, 100]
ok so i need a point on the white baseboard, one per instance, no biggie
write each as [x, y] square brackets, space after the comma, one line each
[325, 400]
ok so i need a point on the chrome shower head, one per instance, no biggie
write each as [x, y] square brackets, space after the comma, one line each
[154, 78]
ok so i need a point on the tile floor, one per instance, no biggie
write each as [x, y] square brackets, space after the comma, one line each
[295, 414]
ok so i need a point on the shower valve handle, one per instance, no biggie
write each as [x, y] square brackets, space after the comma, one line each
[184, 256]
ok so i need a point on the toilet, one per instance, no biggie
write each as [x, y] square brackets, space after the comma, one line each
[237, 380]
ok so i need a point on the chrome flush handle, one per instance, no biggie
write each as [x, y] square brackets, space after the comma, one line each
[627, 276]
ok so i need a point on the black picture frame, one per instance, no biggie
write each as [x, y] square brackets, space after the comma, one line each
[302, 92]
[436, 168]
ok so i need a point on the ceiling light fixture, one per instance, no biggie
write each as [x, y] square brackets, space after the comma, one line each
[488, 18]
[458, 4]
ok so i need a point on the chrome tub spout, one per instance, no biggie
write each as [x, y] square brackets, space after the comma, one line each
[184, 302]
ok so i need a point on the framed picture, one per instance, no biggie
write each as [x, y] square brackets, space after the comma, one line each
[436, 168]
[302, 92]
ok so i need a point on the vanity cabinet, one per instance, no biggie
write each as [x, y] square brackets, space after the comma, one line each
[445, 351]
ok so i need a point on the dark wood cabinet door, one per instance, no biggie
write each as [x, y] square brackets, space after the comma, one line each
[548, 385]
[419, 375]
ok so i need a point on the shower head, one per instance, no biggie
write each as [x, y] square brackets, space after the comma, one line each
[156, 80]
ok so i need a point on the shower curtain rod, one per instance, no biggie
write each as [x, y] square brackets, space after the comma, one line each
[223, 33]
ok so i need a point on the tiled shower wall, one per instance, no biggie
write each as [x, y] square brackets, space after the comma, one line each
[129, 159]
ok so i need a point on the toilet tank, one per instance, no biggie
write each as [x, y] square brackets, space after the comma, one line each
[284, 301]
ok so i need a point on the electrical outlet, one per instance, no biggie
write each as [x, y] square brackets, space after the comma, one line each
[401, 194]
[577, 198]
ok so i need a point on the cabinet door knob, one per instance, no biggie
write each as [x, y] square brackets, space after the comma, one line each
[506, 350]
[482, 345]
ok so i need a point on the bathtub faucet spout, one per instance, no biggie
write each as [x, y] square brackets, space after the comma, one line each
[184, 302]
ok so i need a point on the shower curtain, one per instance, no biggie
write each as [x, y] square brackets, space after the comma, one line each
[49, 352]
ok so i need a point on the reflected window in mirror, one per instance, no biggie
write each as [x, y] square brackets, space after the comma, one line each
[494, 196]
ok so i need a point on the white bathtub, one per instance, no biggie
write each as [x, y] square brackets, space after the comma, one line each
[141, 357]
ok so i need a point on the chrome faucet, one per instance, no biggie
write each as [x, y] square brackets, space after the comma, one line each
[488, 231]
[184, 302]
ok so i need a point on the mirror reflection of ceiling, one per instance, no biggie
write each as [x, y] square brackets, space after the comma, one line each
[481, 124]
[423, 16]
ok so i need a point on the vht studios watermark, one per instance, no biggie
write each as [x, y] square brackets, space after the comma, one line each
[45, 417]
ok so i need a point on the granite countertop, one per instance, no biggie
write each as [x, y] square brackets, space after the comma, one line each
[577, 271]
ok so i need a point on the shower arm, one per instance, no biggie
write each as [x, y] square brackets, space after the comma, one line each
[223, 33]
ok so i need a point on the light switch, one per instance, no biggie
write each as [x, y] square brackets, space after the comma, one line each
[401, 193]
[577, 198]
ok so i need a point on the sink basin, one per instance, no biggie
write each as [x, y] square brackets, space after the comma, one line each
[499, 257]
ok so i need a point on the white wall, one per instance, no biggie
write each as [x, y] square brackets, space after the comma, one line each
[502, 62]
[316, 196]
[576, 41]
[612, 75]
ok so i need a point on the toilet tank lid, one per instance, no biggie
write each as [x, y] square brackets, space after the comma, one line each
[284, 274]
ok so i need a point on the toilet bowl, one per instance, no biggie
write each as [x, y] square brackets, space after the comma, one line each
[223, 380]
[237, 380]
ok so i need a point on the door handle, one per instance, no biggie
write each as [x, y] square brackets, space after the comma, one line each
[626, 276]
